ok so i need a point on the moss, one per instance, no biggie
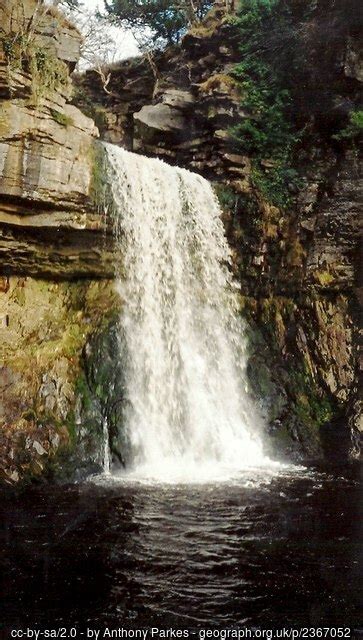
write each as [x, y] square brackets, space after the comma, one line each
[301, 410]
[296, 253]
[14, 46]
[273, 310]
[218, 82]
[51, 330]
[61, 118]
[270, 230]
[312, 407]
[24, 51]
[99, 187]
[47, 71]
[227, 197]
[324, 278]
[73, 340]
[203, 30]
[71, 426]
[83, 391]
[314, 410]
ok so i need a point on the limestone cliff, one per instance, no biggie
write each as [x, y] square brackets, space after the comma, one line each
[52, 232]
[48, 221]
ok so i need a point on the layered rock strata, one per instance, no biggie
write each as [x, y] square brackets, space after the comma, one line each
[49, 222]
[56, 259]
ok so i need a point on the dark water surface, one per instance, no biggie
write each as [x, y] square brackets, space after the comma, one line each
[268, 551]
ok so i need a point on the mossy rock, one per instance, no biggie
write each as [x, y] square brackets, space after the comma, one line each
[297, 409]
[103, 394]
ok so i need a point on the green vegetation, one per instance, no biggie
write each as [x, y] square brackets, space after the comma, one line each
[82, 390]
[226, 196]
[99, 191]
[311, 407]
[14, 46]
[47, 71]
[61, 118]
[160, 21]
[354, 130]
[22, 53]
[278, 90]
[324, 278]
[266, 132]
[270, 321]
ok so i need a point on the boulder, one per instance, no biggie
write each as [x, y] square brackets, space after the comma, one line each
[178, 99]
[152, 122]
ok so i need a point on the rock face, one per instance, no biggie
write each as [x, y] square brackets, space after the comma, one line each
[52, 409]
[298, 266]
[182, 114]
[48, 157]
[52, 30]
[52, 227]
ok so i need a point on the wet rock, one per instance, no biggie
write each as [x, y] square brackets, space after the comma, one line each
[298, 267]
[353, 63]
[43, 411]
[104, 361]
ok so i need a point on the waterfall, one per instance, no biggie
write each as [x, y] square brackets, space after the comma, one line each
[187, 407]
[106, 448]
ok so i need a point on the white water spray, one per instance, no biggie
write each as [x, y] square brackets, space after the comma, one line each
[187, 409]
[106, 448]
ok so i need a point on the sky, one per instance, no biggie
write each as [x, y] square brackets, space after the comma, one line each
[126, 43]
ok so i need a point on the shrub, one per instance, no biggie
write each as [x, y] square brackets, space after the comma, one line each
[267, 132]
[354, 130]
[47, 71]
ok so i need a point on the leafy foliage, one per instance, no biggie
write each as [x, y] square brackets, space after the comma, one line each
[24, 51]
[267, 132]
[354, 130]
[164, 20]
[14, 46]
[48, 72]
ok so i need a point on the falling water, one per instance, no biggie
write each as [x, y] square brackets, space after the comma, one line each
[106, 448]
[187, 408]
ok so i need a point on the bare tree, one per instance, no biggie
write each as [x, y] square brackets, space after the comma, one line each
[99, 48]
